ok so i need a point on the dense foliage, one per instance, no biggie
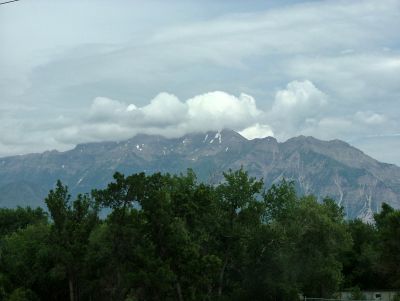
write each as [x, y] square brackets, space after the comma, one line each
[171, 238]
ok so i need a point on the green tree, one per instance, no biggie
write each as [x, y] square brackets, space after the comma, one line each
[72, 225]
[271, 266]
[280, 201]
[240, 213]
[13, 220]
[168, 237]
[163, 228]
[19, 218]
[322, 237]
[361, 262]
[388, 226]
[26, 261]
[120, 238]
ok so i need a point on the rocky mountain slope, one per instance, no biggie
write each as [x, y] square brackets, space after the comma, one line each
[324, 168]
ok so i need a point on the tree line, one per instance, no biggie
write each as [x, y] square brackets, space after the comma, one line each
[170, 237]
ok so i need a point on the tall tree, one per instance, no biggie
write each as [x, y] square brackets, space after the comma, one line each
[388, 225]
[271, 266]
[121, 234]
[322, 237]
[240, 213]
[361, 262]
[72, 225]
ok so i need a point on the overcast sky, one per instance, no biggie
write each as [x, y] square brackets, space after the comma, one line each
[82, 71]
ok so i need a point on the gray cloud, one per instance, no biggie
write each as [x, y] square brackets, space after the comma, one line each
[323, 68]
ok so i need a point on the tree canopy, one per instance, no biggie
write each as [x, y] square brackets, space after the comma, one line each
[169, 237]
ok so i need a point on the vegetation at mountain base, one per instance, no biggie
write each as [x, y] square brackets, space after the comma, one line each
[170, 237]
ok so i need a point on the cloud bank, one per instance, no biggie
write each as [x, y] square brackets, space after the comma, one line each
[298, 108]
[165, 115]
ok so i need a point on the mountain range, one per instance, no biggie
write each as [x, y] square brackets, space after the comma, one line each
[324, 168]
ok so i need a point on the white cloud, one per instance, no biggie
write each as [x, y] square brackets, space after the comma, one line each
[103, 108]
[166, 115]
[257, 131]
[303, 109]
[299, 100]
[219, 110]
[165, 109]
[300, 104]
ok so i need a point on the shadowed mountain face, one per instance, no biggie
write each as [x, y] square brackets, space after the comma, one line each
[324, 168]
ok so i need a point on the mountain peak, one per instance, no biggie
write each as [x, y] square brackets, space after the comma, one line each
[216, 137]
[324, 168]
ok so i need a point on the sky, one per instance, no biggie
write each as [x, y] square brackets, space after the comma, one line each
[83, 71]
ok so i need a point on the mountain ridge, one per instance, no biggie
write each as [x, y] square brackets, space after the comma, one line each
[332, 168]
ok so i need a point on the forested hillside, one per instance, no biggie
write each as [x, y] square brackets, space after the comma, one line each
[172, 238]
